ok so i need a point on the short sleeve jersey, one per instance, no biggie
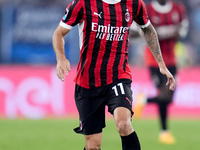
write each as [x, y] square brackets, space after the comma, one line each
[103, 38]
[165, 19]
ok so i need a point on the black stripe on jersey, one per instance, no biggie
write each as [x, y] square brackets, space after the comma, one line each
[78, 19]
[96, 49]
[117, 61]
[140, 19]
[135, 8]
[106, 56]
[125, 59]
[125, 24]
[88, 31]
[120, 43]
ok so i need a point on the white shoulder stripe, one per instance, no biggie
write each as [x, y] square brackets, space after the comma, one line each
[64, 25]
[146, 25]
[111, 1]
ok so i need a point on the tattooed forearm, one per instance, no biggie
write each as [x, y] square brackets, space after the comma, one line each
[152, 42]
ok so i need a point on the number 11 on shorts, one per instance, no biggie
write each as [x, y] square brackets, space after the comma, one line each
[121, 88]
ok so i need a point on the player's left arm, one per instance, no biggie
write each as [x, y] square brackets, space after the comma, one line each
[151, 38]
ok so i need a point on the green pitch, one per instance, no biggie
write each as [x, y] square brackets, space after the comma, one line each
[58, 135]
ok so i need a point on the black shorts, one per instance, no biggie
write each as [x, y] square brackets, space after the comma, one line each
[91, 104]
[158, 78]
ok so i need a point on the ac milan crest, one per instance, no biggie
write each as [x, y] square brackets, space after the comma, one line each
[127, 16]
[81, 125]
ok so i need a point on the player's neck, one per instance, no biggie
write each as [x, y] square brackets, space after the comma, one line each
[161, 2]
[162, 8]
[111, 1]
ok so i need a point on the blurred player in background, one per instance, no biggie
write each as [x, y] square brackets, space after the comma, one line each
[170, 21]
[103, 74]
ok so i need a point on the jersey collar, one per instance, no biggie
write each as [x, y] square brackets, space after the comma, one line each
[111, 1]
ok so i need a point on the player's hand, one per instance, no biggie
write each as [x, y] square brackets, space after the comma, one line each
[170, 79]
[63, 66]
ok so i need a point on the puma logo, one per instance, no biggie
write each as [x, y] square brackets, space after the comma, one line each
[128, 100]
[98, 14]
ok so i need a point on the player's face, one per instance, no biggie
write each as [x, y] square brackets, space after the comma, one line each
[162, 2]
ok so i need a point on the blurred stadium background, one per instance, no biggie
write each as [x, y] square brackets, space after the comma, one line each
[29, 88]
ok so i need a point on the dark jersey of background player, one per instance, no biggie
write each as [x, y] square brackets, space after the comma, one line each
[104, 32]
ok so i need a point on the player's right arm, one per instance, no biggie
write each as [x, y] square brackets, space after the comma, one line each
[73, 16]
[63, 64]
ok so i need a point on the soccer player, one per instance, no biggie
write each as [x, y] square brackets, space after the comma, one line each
[103, 75]
[170, 21]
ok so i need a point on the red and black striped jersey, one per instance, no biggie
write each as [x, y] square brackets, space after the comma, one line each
[103, 38]
[166, 19]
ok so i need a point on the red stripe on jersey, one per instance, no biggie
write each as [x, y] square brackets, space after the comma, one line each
[120, 67]
[110, 45]
[102, 49]
[75, 9]
[111, 60]
[79, 69]
[90, 47]
[128, 70]
[99, 57]
[129, 7]
[141, 17]
[138, 10]
[69, 6]
[80, 74]
[139, 7]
